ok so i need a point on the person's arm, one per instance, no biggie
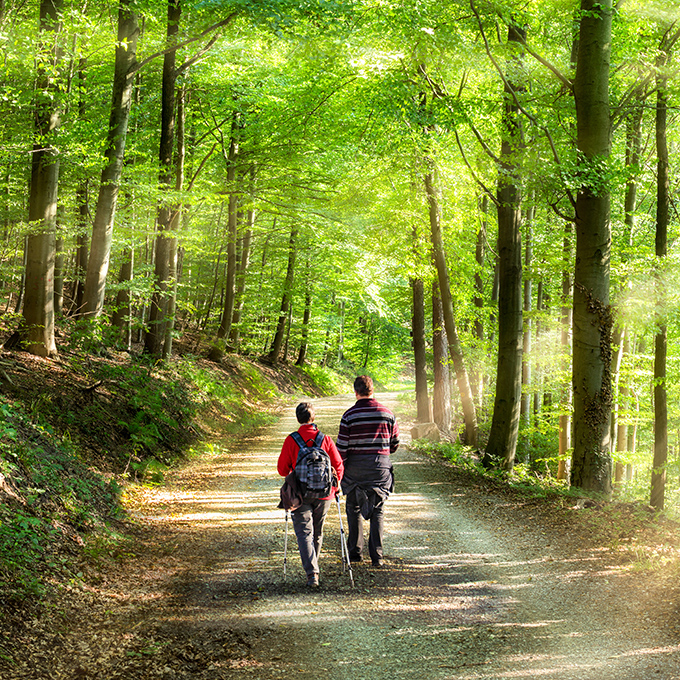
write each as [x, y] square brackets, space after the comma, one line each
[394, 439]
[342, 441]
[287, 457]
[334, 455]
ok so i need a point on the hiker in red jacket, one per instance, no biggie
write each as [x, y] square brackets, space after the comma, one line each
[308, 519]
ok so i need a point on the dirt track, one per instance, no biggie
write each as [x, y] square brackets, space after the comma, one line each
[475, 586]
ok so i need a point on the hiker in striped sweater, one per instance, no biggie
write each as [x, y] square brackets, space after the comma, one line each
[368, 434]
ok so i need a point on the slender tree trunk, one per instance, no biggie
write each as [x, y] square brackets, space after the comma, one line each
[286, 299]
[155, 334]
[525, 413]
[121, 102]
[622, 416]
[59, 264]
[467, 400]
[246, 240]
[122, 316]
[218, 347]
[478, 375]
[441, 392]
[507, 404]
[660, 340]
[302, 354]
[175, 219]
[420, 350]
[591, 461]
[36, 333]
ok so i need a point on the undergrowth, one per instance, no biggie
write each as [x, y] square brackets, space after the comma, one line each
[49, 496]
[75, 433]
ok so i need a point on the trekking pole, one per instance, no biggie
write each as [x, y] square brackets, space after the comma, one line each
[343, 543]
[285, 548]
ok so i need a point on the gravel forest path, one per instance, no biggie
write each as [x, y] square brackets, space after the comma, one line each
[476, 586]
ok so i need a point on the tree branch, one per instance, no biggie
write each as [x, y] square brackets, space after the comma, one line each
[560, 214]
[511, 89]
[167, 50]
[569, 84]
[472, 172]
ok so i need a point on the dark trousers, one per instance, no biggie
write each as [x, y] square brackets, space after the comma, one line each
[308, 522]
[355, 528]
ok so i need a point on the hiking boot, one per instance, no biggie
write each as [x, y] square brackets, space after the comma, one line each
[313, 581]
[378, 564]
[355, 558]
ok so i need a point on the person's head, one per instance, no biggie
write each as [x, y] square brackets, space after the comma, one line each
[363, 386]
[304, 412]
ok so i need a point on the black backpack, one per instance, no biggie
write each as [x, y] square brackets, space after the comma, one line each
[313, 468]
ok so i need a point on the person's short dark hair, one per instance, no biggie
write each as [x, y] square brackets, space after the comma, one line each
[304, 412]
[363, 386]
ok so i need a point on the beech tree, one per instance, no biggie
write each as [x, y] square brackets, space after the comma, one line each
[591, 461]
[36, 333]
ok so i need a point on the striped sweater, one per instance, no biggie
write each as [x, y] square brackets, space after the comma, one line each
[367, 428]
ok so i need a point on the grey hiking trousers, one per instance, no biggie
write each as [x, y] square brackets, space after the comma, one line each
[308, 522]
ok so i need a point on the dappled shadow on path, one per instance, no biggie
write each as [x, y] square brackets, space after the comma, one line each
[471, 589]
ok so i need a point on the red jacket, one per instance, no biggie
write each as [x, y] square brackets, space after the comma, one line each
[289, 453]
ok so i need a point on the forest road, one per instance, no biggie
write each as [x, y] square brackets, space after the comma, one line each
[474, 585]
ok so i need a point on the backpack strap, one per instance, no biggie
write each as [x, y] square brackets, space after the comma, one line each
[320, 436]
[298, 439]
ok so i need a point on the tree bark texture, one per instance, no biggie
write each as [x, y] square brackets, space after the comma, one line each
[591, 461]
[502, 443]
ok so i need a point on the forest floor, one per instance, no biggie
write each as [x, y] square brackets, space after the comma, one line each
[479, 582]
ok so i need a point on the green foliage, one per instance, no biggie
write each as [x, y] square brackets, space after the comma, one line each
[523, 477]
[328, 380]
[47, 492]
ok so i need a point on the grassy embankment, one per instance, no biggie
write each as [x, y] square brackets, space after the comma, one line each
[77, 431]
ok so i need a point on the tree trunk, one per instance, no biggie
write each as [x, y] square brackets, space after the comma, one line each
[622, 420]
[82, 250]
[122, 316]
[467, 400]
[121, 101]
[176, 217]
[36, 333]
[441, 392]
[478, 375]
[287, 296]
[246, 240]
[302, 354]
[218, 347]
[525, 413]
[591, 461]
[507, 403]
[660, 340]
[155, 334]
[59, 263]
[420, 350]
